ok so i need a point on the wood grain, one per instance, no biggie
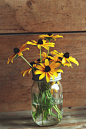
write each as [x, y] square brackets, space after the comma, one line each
[18, 16]
[15, 91]
[74, 118]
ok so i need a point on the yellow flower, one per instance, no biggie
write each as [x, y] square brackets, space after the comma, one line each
[41, 43]
[17, 52]
[65, 58]
[69, 59]
[47, 70]
[50, 36]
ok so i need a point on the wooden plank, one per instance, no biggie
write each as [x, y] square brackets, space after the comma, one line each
[72, 118]
[15, 91]
[18, 16]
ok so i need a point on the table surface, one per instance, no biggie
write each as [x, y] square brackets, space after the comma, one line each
[73, 118]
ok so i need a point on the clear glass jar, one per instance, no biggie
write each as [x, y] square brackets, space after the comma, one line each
[47, 101]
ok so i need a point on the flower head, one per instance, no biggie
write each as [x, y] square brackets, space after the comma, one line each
[41, 43]
[17, 52]
[47, 70]
[50, 36]
[65, 59]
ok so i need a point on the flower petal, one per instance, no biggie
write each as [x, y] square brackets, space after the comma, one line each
[38, 72]
[63, 60]
[59, 70]
[19, 53]
[11, 58]
[39, 67]
[73, 60]
[46, 62]
[25, 49]
[68, 64]
[42, 76]
[47, 77]
[28, 42]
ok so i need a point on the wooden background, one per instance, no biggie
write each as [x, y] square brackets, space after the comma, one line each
[23, 20]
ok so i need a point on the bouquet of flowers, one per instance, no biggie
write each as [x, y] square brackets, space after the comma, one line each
[47, 67]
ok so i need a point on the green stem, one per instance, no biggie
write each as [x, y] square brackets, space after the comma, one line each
[48, 49]
[26, 61]
[58, 111]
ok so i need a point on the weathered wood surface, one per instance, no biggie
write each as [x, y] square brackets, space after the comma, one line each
[15, 91]
[18, 16]
[74, 118]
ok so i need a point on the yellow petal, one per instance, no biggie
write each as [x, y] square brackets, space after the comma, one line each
[46, 62]
[28, 42]
[73, 60]
[63, 60]
[19, 53]
[25, 49]
[24, 72]
[47, 77]
[42, 76]
[40, 67]
[38, 72]
[60, 70]
[43, 65]
[39, 46]
[46, 47]
[55, 74]
[68, 64]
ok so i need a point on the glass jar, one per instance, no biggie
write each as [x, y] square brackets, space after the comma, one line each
[47, 101]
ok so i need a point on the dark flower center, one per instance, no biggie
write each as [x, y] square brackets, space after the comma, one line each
[16, 50]
[49, 34]
[47, 69]
[40, 41]
[60, 58]
[32, 63]
[38, 60]
[66, 55]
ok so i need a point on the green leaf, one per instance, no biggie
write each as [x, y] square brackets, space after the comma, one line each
[34, 97]
[43, 98]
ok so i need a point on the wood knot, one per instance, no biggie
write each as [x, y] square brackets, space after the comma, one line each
[28, 3]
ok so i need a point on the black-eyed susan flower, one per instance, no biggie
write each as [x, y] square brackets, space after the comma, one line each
[50, 36]
[65, 58]
[41, 43]
[17, 52]
[47, 70]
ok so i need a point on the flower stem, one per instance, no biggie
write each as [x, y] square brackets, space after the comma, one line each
[26, 61]
[48, 48]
